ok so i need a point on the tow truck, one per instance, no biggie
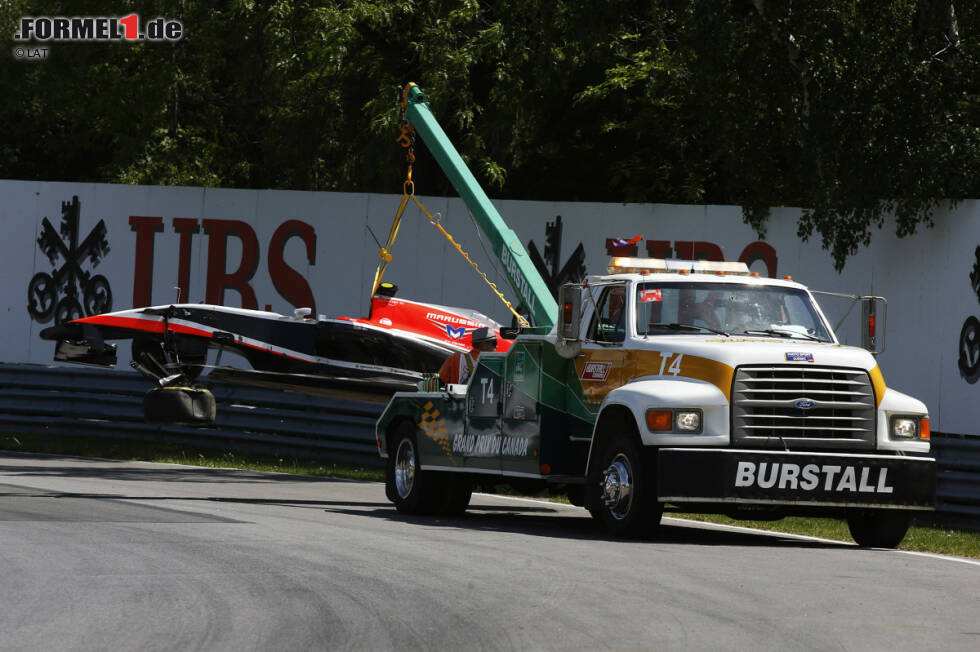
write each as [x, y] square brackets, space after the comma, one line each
[694, 386]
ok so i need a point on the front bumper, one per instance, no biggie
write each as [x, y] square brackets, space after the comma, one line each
[702, 475]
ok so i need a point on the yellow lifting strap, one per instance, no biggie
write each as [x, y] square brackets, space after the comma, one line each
[385, 252]
[493, 286]
[407, 140]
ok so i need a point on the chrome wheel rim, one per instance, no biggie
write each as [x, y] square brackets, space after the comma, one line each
[617, 487]
[405, 468]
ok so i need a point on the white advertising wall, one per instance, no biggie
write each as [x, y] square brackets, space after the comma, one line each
[278, 250]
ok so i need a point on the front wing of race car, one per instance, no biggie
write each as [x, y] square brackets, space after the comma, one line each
[81, 344]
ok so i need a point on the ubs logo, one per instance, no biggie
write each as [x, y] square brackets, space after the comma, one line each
[57, 293]
[969, 349]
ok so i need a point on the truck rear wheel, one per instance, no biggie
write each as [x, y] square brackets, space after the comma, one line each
[627, 500]
[412, 490]
[878, 528]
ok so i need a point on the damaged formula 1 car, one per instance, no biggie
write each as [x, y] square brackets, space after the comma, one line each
[397, 345]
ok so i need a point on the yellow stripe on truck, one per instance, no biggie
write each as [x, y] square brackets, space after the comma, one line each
[629, 365]
[878, 382]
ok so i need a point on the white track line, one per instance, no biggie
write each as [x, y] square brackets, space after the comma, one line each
[750, 530]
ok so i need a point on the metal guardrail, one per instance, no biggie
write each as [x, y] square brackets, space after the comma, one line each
[958, 479]
[79, 401]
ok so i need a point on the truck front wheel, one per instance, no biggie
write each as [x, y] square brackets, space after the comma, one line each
[878, 528]
[412, 490]
[457, 494]
[627, 502]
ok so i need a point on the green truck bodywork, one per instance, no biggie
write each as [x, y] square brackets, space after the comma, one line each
[523, 414]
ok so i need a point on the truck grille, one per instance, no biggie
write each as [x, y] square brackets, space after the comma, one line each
[768, 408]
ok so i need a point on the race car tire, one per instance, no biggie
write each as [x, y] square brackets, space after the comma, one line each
[179, 405]
[626, 501]
[412, 490]
[878, 528]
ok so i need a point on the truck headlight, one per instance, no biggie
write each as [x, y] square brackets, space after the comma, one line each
[687, 420]
[909, 427]
[683, 420]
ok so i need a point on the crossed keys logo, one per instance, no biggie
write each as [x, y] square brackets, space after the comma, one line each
[969, 360]
[57, 293]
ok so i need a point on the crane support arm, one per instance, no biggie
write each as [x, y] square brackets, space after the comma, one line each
[521, 273]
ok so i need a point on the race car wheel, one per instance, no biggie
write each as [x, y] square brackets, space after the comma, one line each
[627, 502]
[878, 528]
[181, 405]
[412, 490]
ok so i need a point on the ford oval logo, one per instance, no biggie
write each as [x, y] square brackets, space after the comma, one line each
[804, 404]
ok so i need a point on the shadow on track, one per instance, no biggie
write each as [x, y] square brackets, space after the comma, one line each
[530, 518]
[565, 523]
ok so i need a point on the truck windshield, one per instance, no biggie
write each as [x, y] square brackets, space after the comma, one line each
[672, 308]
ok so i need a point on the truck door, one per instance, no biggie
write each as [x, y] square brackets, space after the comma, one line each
[521, 419]
[601, 365]
[481, 444]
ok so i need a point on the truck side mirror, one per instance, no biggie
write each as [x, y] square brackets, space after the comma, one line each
[569, 342]
[873, 323]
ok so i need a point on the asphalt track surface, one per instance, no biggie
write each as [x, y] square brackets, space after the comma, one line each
[106, 555]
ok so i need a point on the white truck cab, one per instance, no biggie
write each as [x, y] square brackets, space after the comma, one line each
[696, 386]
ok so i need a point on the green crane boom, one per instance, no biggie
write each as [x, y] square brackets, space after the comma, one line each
[534, 297]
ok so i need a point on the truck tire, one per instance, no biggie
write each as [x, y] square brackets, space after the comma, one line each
[182, 405]
[457, 493]
[412, 490]
[626, 503]
[878, 528]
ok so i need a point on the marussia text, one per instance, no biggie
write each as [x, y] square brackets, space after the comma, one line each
[810, 477]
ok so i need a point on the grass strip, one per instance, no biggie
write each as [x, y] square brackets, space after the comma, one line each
[961, 543]
[141, 451]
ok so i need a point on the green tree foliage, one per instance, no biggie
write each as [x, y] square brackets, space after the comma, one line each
[851, 109]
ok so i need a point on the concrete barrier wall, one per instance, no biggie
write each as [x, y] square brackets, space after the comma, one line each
[282, 249]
